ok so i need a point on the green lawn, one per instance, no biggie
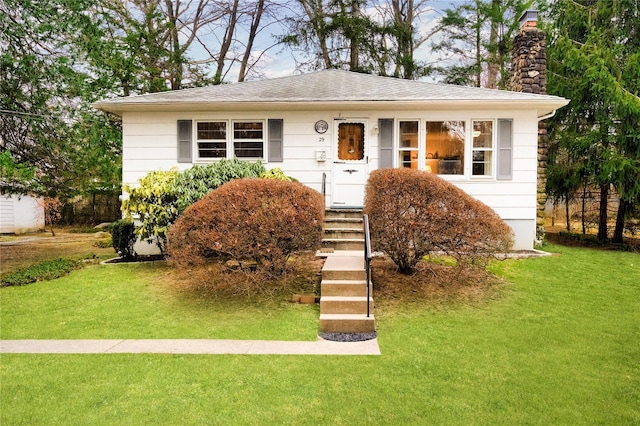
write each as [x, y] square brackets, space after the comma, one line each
[134, 301]
[560, 344]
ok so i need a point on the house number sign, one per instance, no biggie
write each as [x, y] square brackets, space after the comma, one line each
[321, 126]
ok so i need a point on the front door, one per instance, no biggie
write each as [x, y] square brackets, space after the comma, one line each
[350, 164]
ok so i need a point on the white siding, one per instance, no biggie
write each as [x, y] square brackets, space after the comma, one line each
[150, 143]
[6, 215]
[19, 215]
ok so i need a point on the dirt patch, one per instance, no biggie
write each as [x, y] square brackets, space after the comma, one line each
[217, 280]
[431, 283]
[24, 250]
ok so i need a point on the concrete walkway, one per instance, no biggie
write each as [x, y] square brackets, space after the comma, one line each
[190, 346]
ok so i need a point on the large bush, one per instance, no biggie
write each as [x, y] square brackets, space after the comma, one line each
[414, 213]
[260, 220]
[161, 196]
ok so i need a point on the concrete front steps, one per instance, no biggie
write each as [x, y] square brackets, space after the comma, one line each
[343, 299]
[343, 230]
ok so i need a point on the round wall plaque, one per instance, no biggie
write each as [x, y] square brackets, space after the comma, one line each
[321, 126]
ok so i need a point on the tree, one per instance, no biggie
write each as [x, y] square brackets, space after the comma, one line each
[593, 60]
[47, 126]
[256, 17]
[142, 46]
[376, 36]
[476, 42]
[403, 37]
[15, 175]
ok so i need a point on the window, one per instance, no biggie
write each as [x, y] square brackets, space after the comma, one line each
[248, 139]
[482, 150]
[219, 139]
[445, 147]
[408, 149]
[212, 139]
[351, 141]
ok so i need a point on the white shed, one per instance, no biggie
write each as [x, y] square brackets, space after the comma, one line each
[19, 215]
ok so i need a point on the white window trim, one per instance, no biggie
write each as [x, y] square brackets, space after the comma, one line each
[229, 141]
[492, 175]
[421, 142]
[196, 147]
[466, 171]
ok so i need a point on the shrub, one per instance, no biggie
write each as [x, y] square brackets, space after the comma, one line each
[42, 271]
[194, 183]
[123, 237]
[153, 204]
[276, 174]
[161, 196]
[52, 211]
[259, 220]
[413, 213]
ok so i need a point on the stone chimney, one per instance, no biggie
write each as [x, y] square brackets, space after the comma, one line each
[529, 75]
[529, 62]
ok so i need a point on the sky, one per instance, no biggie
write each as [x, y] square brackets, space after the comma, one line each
[279, 62]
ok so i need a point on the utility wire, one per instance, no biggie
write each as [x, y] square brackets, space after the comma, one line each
[41, 116]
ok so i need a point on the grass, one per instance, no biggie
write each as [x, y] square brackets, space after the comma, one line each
[19, 252]
[137, 301]
[43, 271]
[559, 343]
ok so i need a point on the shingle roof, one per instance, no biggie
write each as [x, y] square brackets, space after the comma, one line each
[328, 86]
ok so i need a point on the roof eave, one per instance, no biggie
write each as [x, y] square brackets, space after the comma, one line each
[542, 106]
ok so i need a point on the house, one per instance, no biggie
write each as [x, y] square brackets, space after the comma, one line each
[331, 128]
[19, 215]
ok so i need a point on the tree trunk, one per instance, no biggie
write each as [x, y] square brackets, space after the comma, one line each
[226, 41]
[566, 213]
[478, 53]
[620, 217]
[93, 208]
[316, 14]
[175, 64]
[403, 15]
[602, 220]
[492, 56]
[354, 63]
[255, 23]
[584, 206]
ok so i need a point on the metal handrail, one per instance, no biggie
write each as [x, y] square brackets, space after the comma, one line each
[324, 184]
[367, 258]
[323, 189]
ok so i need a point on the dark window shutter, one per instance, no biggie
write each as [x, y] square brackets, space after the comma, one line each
[184, 141]
[385, 143]
[276, 127]
[505, 149]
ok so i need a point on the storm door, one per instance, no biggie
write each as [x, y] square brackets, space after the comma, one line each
[350, 165]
